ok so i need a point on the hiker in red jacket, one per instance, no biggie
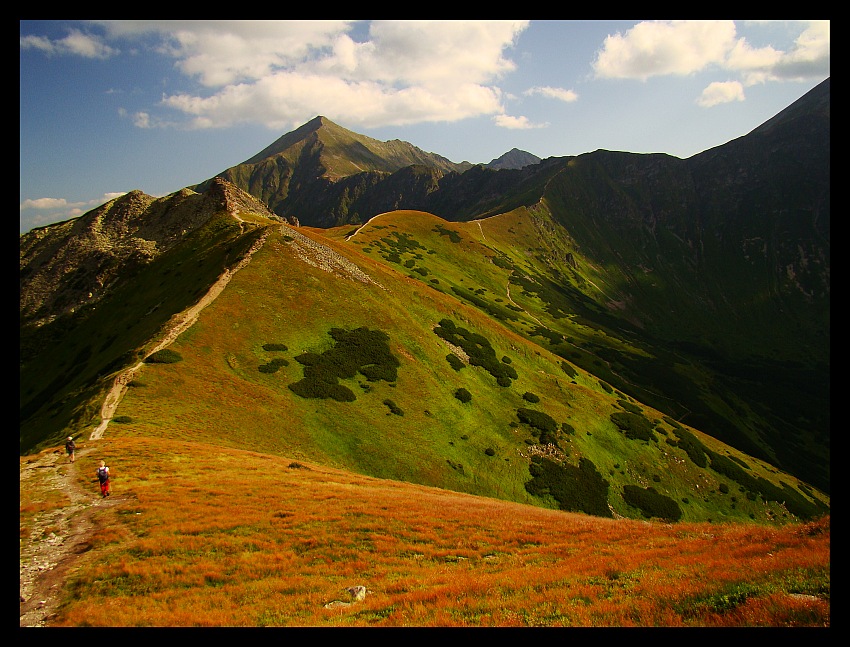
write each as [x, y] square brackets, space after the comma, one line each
[103, 477]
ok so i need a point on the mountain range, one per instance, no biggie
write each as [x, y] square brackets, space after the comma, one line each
[619, 334]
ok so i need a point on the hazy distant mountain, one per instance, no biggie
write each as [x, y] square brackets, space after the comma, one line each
[513, 159]
[566, 329]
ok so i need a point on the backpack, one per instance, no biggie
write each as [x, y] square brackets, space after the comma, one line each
[102, 474]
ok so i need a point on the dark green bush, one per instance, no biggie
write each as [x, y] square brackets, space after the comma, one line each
[451, 233]
[652, 503]
[568, 429]
[633, 426]
[567, 368]
[691, 444]
[478, 349]
[274, 347]
[273, 366]
[490, 451]
[673, 423]
[501, 262]
[164, 356]
[455, 466]
[455, 362]
[463, 395]
[377, 372]
[528, 396]
[122, 419]
[393, 408]
[537, 419]
[630, 407]
[576, 489]
[794, 501]
[360, 350]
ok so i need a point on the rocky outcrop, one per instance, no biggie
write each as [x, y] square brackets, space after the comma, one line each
[75, 263]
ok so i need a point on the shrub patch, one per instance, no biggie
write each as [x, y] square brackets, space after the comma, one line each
[576, 489]
[633, 426]
[479, 350]
[652, 503]
[164, 356]
[361, 351]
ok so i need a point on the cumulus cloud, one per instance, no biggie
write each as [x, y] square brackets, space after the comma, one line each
[516, 123]
[665, 47]
[283, 73]
[52, 204]
[44, 211]
[684, 47]
[76, 43]
[45, 203]
[567, 96]
[721, 92]
[809, 57]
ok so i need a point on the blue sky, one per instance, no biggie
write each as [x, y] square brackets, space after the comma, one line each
[112, 106]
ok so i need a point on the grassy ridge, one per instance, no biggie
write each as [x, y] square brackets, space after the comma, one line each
[238, 502]
[67, 365]
[414, 429]
[265, 540]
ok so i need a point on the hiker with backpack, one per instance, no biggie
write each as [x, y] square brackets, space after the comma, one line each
[70, 447]
[103, 477]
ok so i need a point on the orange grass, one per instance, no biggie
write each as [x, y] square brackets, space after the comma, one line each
[207, 536]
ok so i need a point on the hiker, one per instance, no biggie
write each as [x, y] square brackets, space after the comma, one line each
[103, 477]
[70, 447]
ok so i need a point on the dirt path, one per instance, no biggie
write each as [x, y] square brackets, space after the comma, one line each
[58, 536]
[61, 534]
[179, 324]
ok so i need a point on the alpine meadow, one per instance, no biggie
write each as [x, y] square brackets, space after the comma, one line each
[349, 382]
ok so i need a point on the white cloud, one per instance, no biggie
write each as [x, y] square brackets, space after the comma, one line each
[567, 96]
[684, 47]
[678, 47]
[76, 43]
[516, 123]
[721, 92]
[62, 205]
[283, 73]
[45, 203]
[810, 56]
[142, 120]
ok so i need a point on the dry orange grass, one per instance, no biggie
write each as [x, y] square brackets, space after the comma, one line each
[207, 536]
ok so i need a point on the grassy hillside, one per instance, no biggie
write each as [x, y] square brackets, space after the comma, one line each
[67, 365]
[398, 352]
[197, 534]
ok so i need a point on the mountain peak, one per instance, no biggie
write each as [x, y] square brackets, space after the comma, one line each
[291, 138]
[513, 159]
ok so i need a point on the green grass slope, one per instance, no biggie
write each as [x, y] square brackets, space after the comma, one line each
[402, 350]
[67, 366]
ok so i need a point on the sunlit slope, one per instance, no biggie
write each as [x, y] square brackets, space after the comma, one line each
[232, 386]
[204, 536]
[531, 276]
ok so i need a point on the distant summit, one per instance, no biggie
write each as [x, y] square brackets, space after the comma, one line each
[317, 173]
[513, 159]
